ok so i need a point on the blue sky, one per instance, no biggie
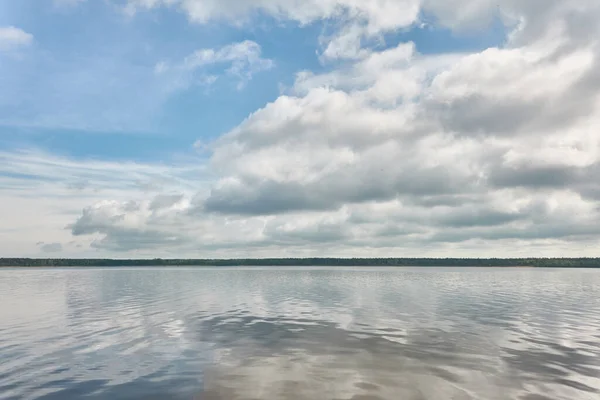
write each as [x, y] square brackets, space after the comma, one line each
[90, 72]
[86, 87]
[142, 128]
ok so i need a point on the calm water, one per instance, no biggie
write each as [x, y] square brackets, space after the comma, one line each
[306, 333]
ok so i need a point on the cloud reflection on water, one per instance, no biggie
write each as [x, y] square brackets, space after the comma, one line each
[301, 334]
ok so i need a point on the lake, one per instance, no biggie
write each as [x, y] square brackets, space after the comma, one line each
[300, 333]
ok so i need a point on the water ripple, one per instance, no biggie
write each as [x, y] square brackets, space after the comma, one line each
[305, 333]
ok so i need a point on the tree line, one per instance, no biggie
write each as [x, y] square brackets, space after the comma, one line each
[282, 262]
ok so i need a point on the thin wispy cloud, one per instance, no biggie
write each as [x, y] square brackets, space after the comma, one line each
[239, 61]
[12, 38]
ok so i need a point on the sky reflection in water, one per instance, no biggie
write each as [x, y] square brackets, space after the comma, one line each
[305, 333]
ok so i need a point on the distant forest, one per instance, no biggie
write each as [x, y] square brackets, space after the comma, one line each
[283, 262]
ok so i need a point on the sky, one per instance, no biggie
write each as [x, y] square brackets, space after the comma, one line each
[286, 128]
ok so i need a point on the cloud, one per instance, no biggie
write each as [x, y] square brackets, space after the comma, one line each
[128, 223]
[243, 60]
[51, 247]
[22, 169]
[512, 97]
[492, 222]
[12, 38]
[397, 126]
[43, 193]
[164, 223]
[331, 147]
[384, 149]
[380, 13]
[358, 21]
[400, 124]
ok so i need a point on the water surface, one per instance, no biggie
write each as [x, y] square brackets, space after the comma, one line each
[300, 333]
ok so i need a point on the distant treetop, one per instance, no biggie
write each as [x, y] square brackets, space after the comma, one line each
[283, 262]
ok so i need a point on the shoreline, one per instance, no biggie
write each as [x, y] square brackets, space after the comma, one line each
[307, 262]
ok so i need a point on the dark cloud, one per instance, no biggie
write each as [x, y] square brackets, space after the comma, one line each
[473, 217]
[357, 184]
[266, 198]
[478, 114]
[397, 230]
[442, 200]
[550, 177]
[578, 179]
[591, 192]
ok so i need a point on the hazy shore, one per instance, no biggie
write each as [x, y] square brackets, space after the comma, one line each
[309, 262]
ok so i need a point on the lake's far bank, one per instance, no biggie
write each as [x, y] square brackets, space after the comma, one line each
[297, 262]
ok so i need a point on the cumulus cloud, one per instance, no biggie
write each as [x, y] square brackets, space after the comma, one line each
[496, 126]
[12, 38]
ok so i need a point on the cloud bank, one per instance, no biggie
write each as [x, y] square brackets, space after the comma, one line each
[385, 149]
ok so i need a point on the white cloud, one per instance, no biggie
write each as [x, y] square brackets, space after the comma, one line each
[379, 13]
[365, 20]
[242, 61]
[12, 38]
[472, 136]
[489, 153]
[359, 20]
